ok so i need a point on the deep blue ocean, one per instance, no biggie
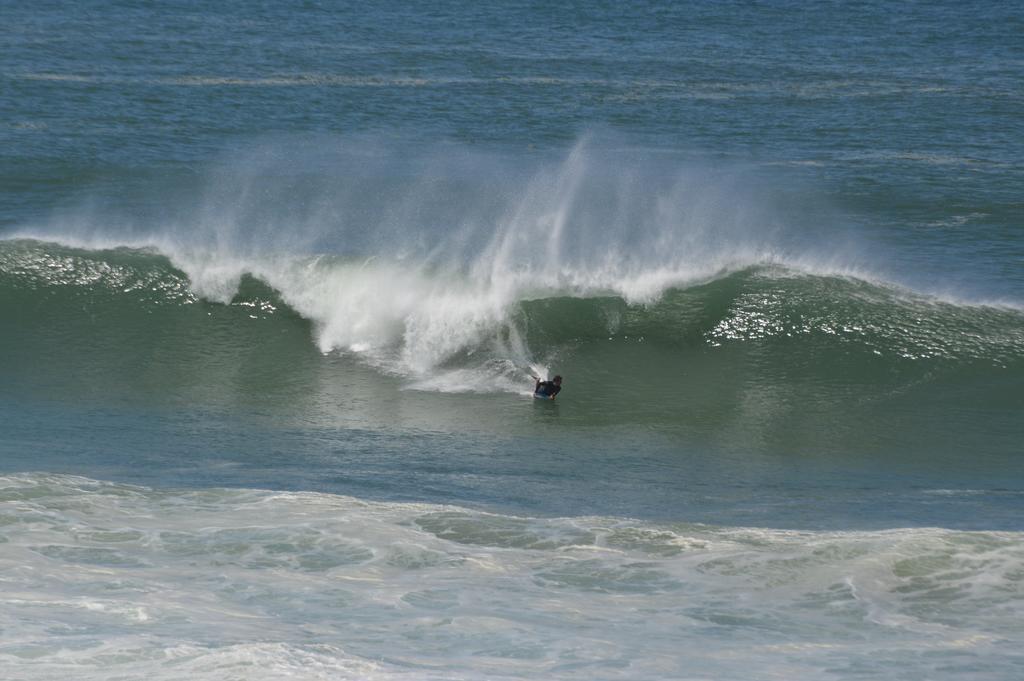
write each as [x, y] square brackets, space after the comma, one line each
[275, 279]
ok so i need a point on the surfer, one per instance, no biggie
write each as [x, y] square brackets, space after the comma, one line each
[547, 389]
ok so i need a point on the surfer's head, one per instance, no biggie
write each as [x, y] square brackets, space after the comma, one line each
[557, 380]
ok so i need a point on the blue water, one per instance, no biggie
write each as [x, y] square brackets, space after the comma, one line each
[274, 279]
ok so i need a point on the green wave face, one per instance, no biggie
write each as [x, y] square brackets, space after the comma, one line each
[765, 357]
[773, 360]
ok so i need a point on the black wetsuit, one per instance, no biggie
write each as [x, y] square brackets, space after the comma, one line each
[547, 389]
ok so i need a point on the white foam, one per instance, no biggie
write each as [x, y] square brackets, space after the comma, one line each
[138, 583]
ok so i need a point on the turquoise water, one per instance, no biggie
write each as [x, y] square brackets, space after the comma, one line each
[273, 281]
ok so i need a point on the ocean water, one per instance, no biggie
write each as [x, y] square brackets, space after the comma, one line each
[274, 280]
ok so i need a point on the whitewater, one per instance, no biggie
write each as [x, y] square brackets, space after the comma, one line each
[328, 587]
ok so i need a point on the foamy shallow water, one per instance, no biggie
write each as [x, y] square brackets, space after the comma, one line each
[104, 580]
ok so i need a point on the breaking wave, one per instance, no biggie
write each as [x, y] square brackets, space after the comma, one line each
[466, 270]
